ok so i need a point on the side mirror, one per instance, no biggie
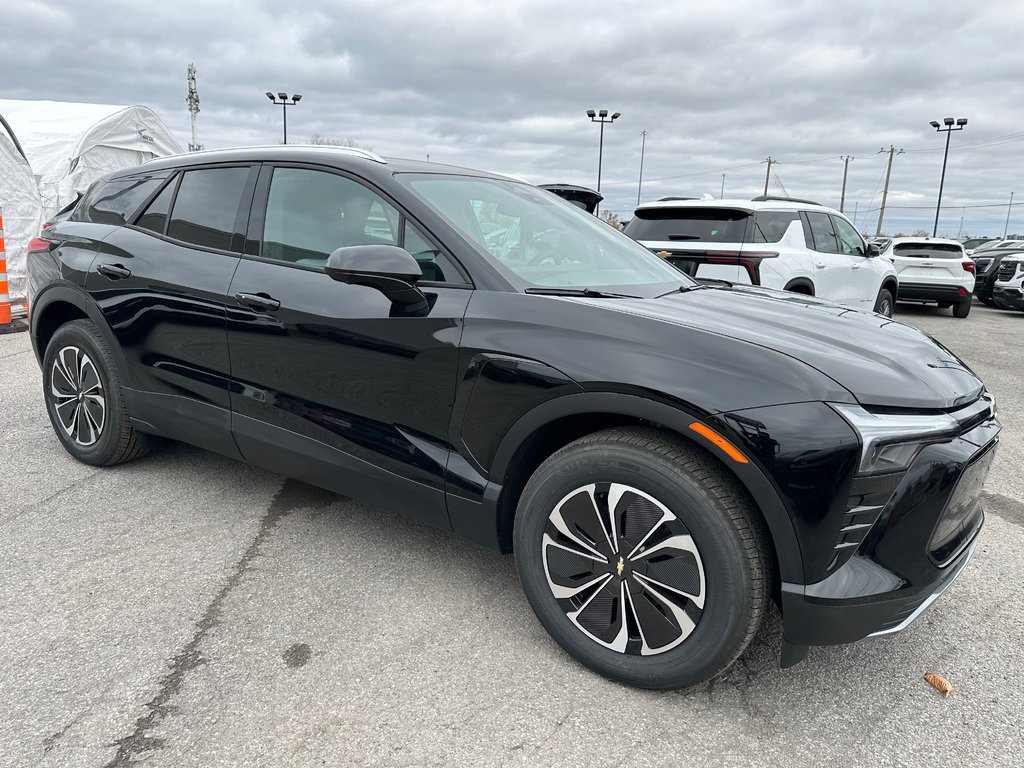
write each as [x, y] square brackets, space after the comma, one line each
[388, 268]
[873, 250]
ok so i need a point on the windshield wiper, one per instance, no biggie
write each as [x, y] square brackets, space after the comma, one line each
[710, 283]
[592, 293]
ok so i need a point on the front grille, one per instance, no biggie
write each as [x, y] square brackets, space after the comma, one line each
[1006, 271]
[868, 497]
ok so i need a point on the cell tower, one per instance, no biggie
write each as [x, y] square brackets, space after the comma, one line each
[193, 106]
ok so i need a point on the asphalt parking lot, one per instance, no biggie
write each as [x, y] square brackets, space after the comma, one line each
[188, 610]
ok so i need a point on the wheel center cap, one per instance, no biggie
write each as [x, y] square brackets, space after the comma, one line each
[81, 396]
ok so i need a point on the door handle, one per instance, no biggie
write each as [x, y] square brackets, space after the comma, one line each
[855, 266]
[114, 271]
[820, 265]
[258, 301]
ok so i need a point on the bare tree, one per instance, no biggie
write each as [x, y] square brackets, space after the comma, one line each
[611, 218]
[317, 138]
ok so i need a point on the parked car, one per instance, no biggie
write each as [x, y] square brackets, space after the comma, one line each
[781, 243]
[993, 245]
[1008, 291]
[986, 267]
[663, 457]
[933, 270]
[582, 197]
[973, 242]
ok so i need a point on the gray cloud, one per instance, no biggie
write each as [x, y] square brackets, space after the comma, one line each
[504, 86]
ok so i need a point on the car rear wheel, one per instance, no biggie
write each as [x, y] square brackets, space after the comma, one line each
[83, 397]
[642, 558]
[962, 309]
[884, 303]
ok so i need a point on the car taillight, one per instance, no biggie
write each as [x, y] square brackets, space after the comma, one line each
[47, 225]
[749, 260]
[968, 266]
[39, 244]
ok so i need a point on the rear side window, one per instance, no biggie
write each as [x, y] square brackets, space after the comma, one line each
[770, 226]
[709, 225]
[825, 239]
[206, 207]
[928, 250]
[117, 201]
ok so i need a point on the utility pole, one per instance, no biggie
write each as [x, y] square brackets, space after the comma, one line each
[885, 189]
[639, 184]
[963, 211]
[856, 204]
[722, 196]
[767, 174]
[192, 99]
[1008, 208]
[846, 164]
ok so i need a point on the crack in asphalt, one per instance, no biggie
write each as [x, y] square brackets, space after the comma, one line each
[51, 741]
[291, 496]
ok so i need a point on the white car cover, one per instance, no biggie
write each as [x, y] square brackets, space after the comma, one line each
[67, 146]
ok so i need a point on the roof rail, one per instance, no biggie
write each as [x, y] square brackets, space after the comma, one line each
[781, 199]
[357, 151]
[670, 198]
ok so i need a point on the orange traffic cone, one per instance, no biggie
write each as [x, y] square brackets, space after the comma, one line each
[7, 324]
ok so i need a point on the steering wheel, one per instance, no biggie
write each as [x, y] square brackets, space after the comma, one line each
[556, 256]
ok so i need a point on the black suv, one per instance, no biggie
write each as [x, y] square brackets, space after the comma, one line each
[986, 267]
[664, 457]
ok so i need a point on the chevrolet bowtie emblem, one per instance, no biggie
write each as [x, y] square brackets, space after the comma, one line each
[663, 254]
[618, 568]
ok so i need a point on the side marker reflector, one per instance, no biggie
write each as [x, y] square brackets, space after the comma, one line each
[724, 445]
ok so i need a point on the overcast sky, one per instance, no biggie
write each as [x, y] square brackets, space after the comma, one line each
[504, 86]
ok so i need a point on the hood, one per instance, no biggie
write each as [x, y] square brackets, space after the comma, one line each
[881, 362]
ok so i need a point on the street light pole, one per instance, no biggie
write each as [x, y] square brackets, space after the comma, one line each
[639, 184]
[602, 118]
[285, 101]
[949, 123]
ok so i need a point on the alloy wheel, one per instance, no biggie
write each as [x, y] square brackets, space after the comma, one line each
[624, 569]
[78, 396]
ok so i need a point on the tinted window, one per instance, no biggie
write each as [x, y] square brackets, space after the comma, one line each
[849, 239]
[206, 207]
[709, 225]
[822, 233]
[155, 217]
[311, 213]
[929, 250]
[117, 201]
[770, 226]
[436, 267]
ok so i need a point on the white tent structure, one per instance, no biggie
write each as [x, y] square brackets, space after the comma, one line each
[66, 146]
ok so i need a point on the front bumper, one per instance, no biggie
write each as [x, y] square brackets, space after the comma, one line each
[1008, 297]
[951, 294]
[895, 572]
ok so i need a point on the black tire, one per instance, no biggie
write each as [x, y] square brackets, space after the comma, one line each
[885, 303]
[82, 389]
[730, 558]
[962, 309]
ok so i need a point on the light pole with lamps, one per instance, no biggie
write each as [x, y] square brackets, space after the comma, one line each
[285, 101]
[602, 118]
[949, 123]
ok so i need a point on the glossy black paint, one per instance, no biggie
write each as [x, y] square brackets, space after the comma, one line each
[444, 412]
[987, 264]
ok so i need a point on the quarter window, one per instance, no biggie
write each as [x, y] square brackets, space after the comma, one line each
[821, 230]
[849, 239]
[155, 217]
[771, 226]
[206, 207]
[117, 201]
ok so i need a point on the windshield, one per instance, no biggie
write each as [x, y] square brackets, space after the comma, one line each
[698, 223]
[538, 239]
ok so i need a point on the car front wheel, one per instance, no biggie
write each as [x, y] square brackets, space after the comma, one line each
[642, 558]
[963, 309]
[884, 303]
[84, 399]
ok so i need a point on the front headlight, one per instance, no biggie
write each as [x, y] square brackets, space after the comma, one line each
[891, 441]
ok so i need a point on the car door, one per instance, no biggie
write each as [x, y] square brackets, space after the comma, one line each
[162, 283]
[865, 276]
[332, 384]
[831, 268]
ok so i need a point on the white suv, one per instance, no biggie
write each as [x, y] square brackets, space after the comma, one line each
[793, 245]
[1009, 287]
[932, 269]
